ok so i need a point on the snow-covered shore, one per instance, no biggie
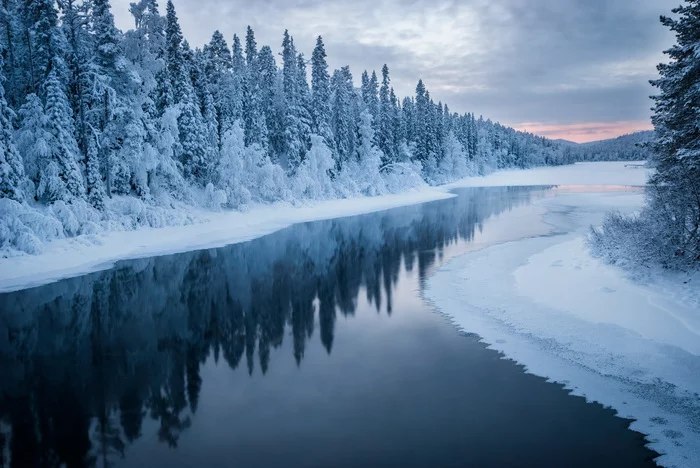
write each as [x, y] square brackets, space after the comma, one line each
[544, 302]
[84, 254]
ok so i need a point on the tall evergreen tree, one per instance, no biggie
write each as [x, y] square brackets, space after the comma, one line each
[385, 136]
[344, 126]
[10, 34]
[293, 147]
[60, 177]
[677, 156]
[321, 94]
[106, 36]
[11, 166]
[255, 125]
[265, 106]
[42, 41]
[174, 59]
[95, 186]
[78, 55]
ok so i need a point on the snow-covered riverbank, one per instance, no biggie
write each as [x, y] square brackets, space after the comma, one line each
[546, 303]
[83, 254]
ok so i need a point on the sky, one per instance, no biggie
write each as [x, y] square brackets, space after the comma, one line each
[572, 69]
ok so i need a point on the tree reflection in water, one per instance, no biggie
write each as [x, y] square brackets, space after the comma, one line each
[84, 361]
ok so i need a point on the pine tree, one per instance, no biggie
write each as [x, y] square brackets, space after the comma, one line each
[421, 118]
[293, 146]
[234, 87]
[373, 99]
[237, 59]
[106, 36]
[78, 69]
[385, 136]
[42, 41]
[677, 156]
[344, 125]
[251, 48]
[304, 106]
[61, 177]
[211, 128]
[255, 124]
[368, 158]
[11, 34]
[174, 60]
[365, 90]
[217, 68]
[32, 138]
[321, 94]
[95, 186]
[193, 139]
[11, 165]
[265, 113]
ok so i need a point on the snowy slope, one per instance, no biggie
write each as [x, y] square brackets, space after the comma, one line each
[79, 255]
[75, 256]
[546, 303]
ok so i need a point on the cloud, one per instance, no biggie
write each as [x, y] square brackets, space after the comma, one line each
[551, 61]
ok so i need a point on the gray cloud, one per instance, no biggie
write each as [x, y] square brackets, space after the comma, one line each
[550, 61]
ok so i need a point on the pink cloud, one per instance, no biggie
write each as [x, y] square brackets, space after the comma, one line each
[584, 132]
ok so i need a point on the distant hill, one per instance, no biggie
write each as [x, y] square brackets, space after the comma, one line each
[561, 141]
[623, 148]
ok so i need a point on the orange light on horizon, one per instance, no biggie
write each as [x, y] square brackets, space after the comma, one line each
[584, 132]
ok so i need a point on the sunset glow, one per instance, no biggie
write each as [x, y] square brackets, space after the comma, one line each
[584, 132]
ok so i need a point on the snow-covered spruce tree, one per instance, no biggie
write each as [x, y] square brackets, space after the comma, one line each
[365, 167]
[321, 94]
[454, 164]
[296, 128]
[385, 124]
[11, 166]
[235, 87]
[304, 105]
[77, 58]
[60, 177]
[343, 124]
[95, 186]
[174, 60]
[33, 139]
[193, 139]
[675, 196]
[10, 32]
[312, 179]
[370, 90]
[192, 147]
[41, 43]
[246, 174]
[667, 231]
[218, 64]
[267, 105]
[255, 126]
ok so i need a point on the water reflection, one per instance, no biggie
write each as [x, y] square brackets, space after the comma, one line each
[87, 361]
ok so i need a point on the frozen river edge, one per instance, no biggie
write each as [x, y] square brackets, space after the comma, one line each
[545, 303]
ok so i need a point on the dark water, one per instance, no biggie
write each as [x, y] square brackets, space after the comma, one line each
[309, 347]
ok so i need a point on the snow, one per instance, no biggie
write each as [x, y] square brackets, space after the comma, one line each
[587, 173]
[83, 254]
[75, 256]
[63, 258]
[544, 302]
